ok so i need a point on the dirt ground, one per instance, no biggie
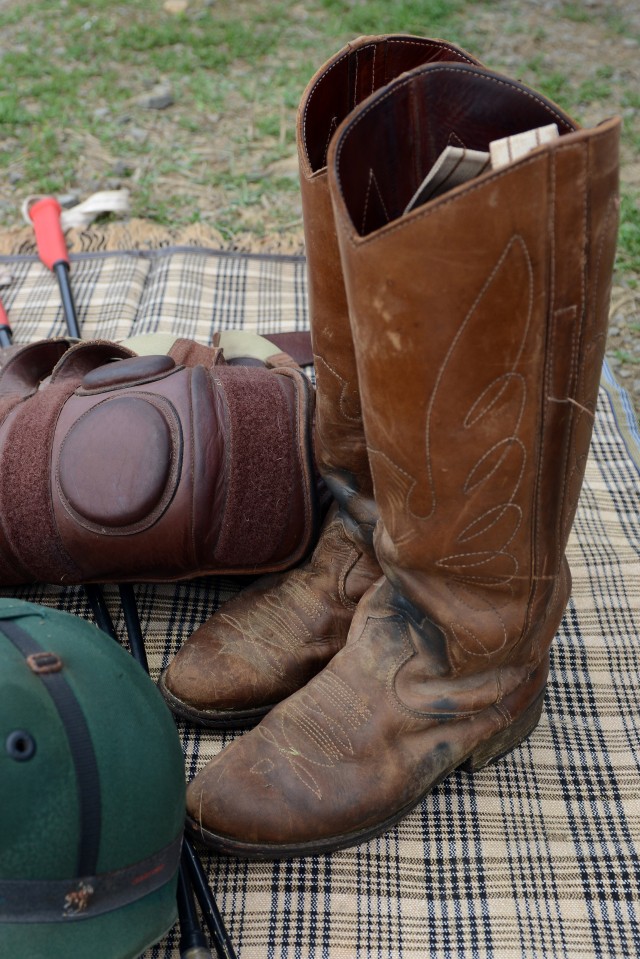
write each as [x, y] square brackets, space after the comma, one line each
[593, 44]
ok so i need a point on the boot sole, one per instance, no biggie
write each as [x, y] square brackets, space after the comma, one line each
[213, 719]
[483, 755]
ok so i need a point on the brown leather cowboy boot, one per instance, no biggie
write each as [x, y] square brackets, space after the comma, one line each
[479, 321]
[277, 634]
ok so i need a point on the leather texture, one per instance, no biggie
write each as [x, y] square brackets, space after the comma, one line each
[273, 637]
[479, 321]
[117, 467]
[276, 635]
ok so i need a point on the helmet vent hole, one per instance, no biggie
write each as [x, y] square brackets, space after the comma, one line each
[20, 745]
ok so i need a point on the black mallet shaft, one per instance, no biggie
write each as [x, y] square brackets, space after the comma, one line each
[52, 250]
[6, 334]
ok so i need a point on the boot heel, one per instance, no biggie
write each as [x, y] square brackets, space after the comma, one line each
[503, 742]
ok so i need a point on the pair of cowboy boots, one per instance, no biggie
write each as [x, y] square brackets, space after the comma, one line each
[458, 346]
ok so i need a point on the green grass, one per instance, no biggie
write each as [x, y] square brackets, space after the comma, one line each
[630, 98]
[576, 12]
[433, 17]
[625, 357]
[557, 85]
[553, 83]
[73, 72]
[232, 58]
[629, 235]
[596, 87]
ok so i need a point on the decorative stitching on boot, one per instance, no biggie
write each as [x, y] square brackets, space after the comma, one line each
[472, 417]
[265, 653]
[298, 593]
[329, 734]
[471, 483]
[399, 485]
[333, 126]
[501, 509]
[347, 566]
[480, 648]
[372, 178]
[355, 80]
[373, 67]
[343, 394]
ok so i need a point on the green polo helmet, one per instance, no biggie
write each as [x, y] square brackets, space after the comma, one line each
[91, 793]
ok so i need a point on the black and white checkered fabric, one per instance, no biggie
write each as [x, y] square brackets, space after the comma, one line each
[533, 858]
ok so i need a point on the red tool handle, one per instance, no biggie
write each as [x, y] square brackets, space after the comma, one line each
[52, 247]
[6, 334]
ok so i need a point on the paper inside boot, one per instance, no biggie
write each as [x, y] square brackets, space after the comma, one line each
[457, 165]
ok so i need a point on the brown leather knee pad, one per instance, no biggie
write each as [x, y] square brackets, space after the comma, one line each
[142, 469]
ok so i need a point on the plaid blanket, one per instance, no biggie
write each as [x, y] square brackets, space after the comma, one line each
[536, 856]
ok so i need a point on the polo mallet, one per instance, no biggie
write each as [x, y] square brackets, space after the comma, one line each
[52, 250]
[194, 869]
[192, 942]
[5, 328]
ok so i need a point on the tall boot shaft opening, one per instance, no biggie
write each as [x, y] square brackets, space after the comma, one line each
[353, 74]
[404, 132]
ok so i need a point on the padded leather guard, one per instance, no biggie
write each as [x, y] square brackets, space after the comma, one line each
[136, 468]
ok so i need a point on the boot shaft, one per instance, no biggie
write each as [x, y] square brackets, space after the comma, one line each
[480, 322]
[345, 80]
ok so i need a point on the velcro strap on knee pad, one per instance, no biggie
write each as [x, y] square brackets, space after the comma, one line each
[26, 514]
[269, 510]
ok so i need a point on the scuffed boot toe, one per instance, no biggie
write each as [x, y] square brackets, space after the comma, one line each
[273, 637]
[214, 684]
[247, 803]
